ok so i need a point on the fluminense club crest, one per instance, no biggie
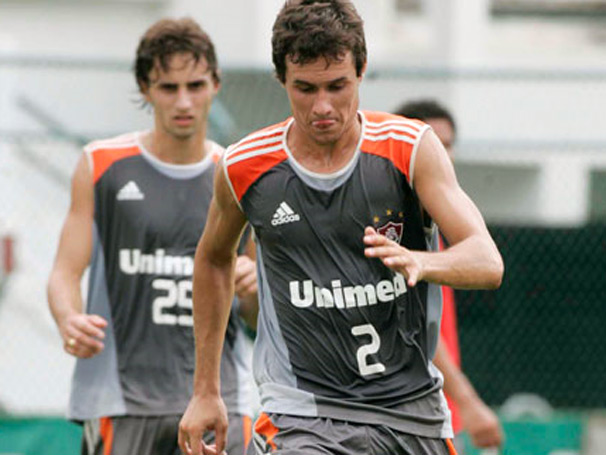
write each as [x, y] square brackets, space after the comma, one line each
[393, 231]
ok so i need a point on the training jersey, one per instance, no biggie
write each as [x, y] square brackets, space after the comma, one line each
[148, 218]
[340, 335]
[448, 320]
[450, 337]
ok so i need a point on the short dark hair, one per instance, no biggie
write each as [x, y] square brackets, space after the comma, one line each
[424, 110]
[168, 37]
[305, 30]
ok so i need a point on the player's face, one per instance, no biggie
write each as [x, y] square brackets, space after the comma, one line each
[323, 97]
[445, 133]
[181, 96]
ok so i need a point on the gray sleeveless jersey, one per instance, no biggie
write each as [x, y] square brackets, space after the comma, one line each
[148, 218]
[340, 335]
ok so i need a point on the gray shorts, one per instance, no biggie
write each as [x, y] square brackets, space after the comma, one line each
[153, 435]
[278, 434]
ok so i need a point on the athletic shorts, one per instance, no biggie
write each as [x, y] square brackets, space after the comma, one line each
[153, 435]
[279, 434]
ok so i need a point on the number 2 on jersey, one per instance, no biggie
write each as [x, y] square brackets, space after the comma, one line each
[368, 349]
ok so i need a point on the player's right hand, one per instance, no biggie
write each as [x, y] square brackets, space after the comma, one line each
[393, 255]
[245, 278]
[82, 334]
[207, 413]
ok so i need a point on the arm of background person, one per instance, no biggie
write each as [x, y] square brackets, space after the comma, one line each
[81, 333]
[213, 290]
[246, 285]
[478, 419]
[473, 260]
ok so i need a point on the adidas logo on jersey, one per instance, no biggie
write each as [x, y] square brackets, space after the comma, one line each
[284, 214]
[130, 192]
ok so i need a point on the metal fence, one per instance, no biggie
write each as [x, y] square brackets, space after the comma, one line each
[541, 333]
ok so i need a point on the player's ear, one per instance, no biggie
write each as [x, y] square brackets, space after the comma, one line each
[281, 75]
[217, 81]
[144, 90]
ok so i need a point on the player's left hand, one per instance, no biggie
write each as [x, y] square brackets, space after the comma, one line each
[481, 423]
[393, 255]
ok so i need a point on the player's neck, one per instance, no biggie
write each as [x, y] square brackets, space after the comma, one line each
[326, 157]
[173, 150]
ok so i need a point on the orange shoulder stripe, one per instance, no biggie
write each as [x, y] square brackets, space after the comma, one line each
[246, 160]
[233, 155]
[243, 173]
[397, 152]
[103, 158]
[256, 141]
[392, 137]
[391, 146]
[258, 137]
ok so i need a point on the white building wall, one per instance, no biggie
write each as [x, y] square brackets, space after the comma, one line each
[232, 24]
[75, 28]
[458, 32]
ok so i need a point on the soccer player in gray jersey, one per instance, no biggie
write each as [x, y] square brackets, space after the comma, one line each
[334, 195]
[138, 208]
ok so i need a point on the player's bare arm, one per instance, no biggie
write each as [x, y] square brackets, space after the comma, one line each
[82, 334]
[472, 260]
[213, 290]
[478, 419]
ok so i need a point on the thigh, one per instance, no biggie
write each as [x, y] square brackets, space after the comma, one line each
[289, 435]
[386, 440]
[125, 435]
[292, 435]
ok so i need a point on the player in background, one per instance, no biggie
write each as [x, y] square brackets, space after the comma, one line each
[468, 410]
[334, 197]
[138, 207]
